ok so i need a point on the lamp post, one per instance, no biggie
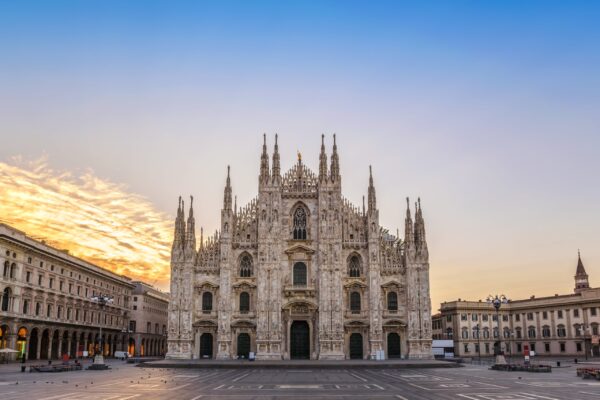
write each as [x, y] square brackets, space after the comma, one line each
[497, 301]
[102, 301]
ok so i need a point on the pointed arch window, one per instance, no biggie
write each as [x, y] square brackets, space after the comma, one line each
[299, 224]
[299, 274]
[354, 267]
[355, 302]
[246, 266]
[244, 303]
[207, 300]
[392, 301]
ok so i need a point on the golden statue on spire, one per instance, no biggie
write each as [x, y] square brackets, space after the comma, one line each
[299, 156]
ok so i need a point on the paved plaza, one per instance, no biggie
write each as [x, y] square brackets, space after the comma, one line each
[126, 381]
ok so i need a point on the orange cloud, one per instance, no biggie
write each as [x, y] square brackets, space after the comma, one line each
[95, 219]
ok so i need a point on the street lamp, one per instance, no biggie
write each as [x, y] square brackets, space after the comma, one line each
[497, 301]
[102, 301]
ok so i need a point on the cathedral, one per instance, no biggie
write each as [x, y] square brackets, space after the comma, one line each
[300, 273]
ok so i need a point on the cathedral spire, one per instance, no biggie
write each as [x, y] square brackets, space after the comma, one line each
[178, 234]
[201, 238]
[190, 239]
[408, 228]
[335, 163]
[276, 162]
[264, 162]
[227, 194]
[372, 197]
[322, 161]
[420, 240]
[581, 277]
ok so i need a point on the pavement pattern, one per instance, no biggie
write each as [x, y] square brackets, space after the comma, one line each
[127, 382]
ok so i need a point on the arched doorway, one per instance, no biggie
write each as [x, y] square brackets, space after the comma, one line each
[356, 346]
[21, 342]
[300, 340]
[393, 345]
[64, 346]
[206, 345]
[44, 346]
[131, 347]
[33, 344]
[73, 349]
[243, 345]
[55, 339]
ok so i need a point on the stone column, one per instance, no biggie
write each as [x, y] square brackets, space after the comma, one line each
[60, 343]
[50, 337]
[76, 346]
[39, 345]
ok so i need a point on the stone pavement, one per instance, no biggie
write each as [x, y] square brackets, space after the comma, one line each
[128, 382]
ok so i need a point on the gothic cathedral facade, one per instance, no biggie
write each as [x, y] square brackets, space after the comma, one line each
[300, 273]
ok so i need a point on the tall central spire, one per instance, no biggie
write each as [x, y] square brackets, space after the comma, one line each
[227, 194]
[335, 163]
[190, 239]
[372, 197]
[408, 228]
[276, 162]
[264, 162]
[322, 161]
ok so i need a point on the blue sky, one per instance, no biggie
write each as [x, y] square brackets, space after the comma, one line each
[487, 110]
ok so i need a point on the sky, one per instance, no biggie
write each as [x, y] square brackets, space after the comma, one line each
[109, 110]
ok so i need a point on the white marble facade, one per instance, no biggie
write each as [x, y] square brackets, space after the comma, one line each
[299, 272]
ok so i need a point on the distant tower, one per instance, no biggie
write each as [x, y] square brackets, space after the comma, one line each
[581, 277]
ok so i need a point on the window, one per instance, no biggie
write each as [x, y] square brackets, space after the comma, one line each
[561, 331]
[506, 333]
[5, 299]
[392, 301]
[531, 332]
[545, 315]
[486, 333]
[518, 333]
[207, 299]
[475, 332]
[578, 345]
[593, 311]
[60, 285]
[546, 331]
[487, 347]
[25, 306]
[494, 317]
[299, 232]
[559, 314]
[134, 307]
[449, 333]
[132, 326]
[476, 347]
[51, 267]
[577, 329]
[246, 266]
[244, 302]
[449, 318]
[59, 312]
[156, 329]
[463, 317]
[466, 347]
[517, 317]
[38, 309]
[547, 347]
[529, 316]
[484, 317]
[473, 317]
[465, 333]
[149, 327]
[299, 274]
[13, 270]
[51, 283]
[354, 267]
[28, 277]
[68, 313]
[496, 333]
[355, 302]
[519, 348]
[562, 347]
[594, 329]
[6, 268]
[576, 313]
[49, 311]
[532, 347]
[505, 317]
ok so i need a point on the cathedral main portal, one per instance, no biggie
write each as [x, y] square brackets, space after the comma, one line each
[300, 341]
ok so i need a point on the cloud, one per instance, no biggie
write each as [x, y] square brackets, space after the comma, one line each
[95, 219]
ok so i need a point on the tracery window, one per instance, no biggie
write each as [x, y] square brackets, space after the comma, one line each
[246, 266]
[299, 274]
[300, 224]
[354, 267]
[392, 301]
[355, 302]
[207, 298]
[244, 302]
